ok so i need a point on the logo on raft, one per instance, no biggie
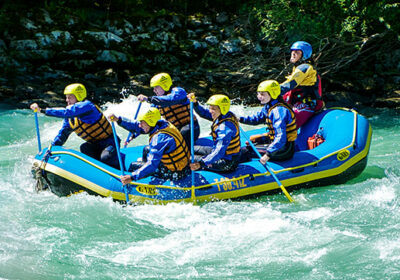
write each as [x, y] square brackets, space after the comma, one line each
[147, 190]
[343, 155]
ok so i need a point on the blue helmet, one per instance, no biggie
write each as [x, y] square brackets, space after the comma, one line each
[304, 47]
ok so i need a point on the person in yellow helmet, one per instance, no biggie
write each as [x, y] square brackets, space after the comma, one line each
[87, 120]
[173, 105]
[278, 143]
[222, 155]
[302, 88]
[166, 156]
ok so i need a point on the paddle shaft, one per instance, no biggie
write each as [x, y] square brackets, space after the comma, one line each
[192, 138]
[269, 169]
[37, 132]
[128, 139]
[120, 160]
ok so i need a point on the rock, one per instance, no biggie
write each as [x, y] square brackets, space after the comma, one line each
[21, 45]
[199, 45]
[55, 38]
[3, 46]
[221, 18]
[128, 27]
[176, 22]
[111, 56]
[104, 37]
[230, 47]
[47, 18]
[212, 40]
[28, 24]
[135, 38]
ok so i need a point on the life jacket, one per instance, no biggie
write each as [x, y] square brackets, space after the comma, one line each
[178, 159]
[234, 145]
[92, 132]
[178, 115]
[291, 128]
[309, 90]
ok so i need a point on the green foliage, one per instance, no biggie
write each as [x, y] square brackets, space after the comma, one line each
[291, 20]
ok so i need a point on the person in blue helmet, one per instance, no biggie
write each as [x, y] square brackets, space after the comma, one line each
[302, 88]
[223, 155]
[87, 121]
[278, 143]
[167, 155]
[173, 105]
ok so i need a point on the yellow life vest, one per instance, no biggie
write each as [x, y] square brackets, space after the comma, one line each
[92, 132]
[178, 159]
[178, 115]
[234, 145]
[291, 128]
[309, 78]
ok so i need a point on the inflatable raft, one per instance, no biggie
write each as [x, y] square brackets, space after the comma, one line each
[340, 158]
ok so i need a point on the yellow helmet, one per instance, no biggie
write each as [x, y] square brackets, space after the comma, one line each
[222, 101]
[270, 86]
[151, 116]
[163, 80]
[78, 90]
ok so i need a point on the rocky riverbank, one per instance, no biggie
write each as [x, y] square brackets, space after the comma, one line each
[207, 54]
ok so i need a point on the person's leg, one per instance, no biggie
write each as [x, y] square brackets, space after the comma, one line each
[224, 165]
[166, 174]
[260, 138]
[146, 151]
[109, 156]
[285, 153]
[135, 165]
[246, 154]
[202, 150]
[91, 150]
[185, 131]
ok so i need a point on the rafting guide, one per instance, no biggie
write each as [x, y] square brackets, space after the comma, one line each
[302, 88]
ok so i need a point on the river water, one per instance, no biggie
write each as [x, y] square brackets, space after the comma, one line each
[349, 231]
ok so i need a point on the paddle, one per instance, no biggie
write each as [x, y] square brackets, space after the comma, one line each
[120, 161]
[128, 139]
[192, 138]
[267, 166]
[37, 131]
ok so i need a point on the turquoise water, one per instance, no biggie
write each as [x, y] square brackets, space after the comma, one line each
[349, 231]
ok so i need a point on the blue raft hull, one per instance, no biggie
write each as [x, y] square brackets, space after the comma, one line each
[340, 158]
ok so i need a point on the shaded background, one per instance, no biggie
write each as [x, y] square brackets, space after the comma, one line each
[207, 46]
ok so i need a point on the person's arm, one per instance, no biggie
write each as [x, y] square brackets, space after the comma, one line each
[298, 75]
[177, 96]
[256, 119]
[63, 134]
[78, 109]
[132, 126]
[160, 144]
[225, 132]
[202, 111]
[280, 116]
